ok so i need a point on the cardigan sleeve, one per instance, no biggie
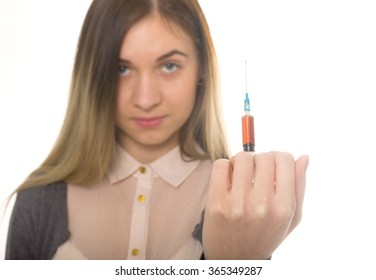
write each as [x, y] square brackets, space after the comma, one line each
[39, 223]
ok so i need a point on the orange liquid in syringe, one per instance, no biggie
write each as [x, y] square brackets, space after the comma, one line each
[248, 133]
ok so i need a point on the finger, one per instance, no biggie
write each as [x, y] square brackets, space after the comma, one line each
[219, 181]
[285, 179]
[264, 175]
[243, 173]
[301, 166]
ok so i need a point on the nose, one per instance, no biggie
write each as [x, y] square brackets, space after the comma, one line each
[146, 93]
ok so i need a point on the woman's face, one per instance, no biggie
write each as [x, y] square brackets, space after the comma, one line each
[157, 82]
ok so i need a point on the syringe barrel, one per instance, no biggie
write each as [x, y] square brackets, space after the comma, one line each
[248, 133]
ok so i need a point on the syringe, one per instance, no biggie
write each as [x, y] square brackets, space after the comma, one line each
[248, 122]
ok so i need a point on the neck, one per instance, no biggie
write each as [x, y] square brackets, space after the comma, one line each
[148, 153]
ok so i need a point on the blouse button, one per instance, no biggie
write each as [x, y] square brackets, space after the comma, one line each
[141, 198]
[142, 169]
[135, 252]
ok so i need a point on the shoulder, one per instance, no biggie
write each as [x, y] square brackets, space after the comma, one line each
[206, 164]
[43, 201]
[39, 222]
[42, 196]
[204, 168]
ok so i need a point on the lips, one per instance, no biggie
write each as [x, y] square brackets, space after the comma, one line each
[151, 122]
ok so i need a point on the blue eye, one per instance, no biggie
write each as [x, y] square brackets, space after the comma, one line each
[123, 70]
[170, 67]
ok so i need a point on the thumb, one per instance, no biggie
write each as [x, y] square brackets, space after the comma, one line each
[301, 166]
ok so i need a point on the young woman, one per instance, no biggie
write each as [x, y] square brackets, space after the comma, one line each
[129, 176]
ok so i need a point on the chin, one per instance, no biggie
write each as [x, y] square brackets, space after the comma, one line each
[160, 140]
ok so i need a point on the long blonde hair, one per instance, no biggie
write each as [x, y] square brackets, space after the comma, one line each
[86, 144]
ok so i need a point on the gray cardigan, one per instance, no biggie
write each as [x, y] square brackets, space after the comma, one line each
[39, 223]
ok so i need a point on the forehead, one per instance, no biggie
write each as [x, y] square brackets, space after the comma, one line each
[154, 34]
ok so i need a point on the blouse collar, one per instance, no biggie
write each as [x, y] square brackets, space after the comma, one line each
[170, 167]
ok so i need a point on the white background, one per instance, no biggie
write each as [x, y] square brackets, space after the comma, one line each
[312, 85]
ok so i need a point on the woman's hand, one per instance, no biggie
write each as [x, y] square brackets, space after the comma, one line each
[254, 202]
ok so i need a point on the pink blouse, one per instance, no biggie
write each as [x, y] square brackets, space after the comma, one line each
[139, 211]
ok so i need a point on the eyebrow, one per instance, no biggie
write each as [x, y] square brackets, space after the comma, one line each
[171, 53]
[162, 57]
